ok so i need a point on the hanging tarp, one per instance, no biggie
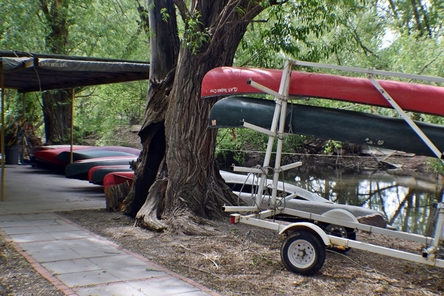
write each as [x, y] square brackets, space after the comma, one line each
[10, 64]
[95, 66]
[28, 72]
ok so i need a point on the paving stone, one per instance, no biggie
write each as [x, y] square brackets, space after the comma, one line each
[22, 230]
[165, 287]
[71, 266]
[50, 251]
[92, 247]
[70, 235]
[126, 267]
[117, 289]
[32, 237]
[85, 278]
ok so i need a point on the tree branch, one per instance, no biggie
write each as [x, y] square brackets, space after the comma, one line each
[426, 19]
[227, 16]
[393, 8]
[182, 7]
[429, 63]
[417, 19]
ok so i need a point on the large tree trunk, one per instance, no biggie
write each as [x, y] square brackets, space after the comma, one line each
[57, 116]
[164, 44]
[187, 187]
[56, 104]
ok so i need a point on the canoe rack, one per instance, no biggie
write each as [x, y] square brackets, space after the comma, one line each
[304, 249]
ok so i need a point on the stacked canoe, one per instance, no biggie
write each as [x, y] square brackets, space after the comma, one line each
[92, 163]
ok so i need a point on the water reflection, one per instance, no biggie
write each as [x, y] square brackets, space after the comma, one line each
[405, 200]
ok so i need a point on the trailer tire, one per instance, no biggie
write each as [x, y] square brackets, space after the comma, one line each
[303, 253]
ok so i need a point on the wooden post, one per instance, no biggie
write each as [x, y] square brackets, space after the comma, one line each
[72, 126]
[23, 122]
[2, 140]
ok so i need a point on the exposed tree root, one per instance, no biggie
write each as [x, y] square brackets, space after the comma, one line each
[147, 217]
[182, 221]
[150, 223]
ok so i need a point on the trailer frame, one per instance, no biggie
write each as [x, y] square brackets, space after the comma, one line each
[303, 251]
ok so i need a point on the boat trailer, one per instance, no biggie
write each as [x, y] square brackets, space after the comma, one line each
[304, 249]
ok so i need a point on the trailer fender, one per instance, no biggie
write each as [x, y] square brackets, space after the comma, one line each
[341, 214]
[310, 227]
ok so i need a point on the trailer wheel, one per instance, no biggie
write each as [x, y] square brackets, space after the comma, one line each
[302, 252]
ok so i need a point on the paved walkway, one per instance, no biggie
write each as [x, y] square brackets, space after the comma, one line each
[74, 259]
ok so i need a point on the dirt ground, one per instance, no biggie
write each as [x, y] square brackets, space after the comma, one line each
[240, 260]
[18, 277]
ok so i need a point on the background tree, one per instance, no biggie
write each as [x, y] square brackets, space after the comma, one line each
[56, 104]
[104, 29]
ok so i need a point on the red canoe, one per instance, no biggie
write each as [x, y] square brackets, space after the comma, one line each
[116, 178]
[420, 98]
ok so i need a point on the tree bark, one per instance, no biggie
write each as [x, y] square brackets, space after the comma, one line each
[57, 116]
[114, 196]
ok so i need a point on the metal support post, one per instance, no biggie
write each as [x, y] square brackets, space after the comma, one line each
[283, 90]
[2, 136]
[368, 71]
[407, 118]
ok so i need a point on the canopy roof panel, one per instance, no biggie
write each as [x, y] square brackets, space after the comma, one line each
[29, 72]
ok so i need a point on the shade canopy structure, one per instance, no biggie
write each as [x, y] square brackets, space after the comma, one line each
[28, 72]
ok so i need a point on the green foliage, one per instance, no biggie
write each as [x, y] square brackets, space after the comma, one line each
[107, 29]
[165, 14]
[109, 108]
[17, 28]
[195, 36]
[353, 33]
[309, 30]
[98, 28]
[435, 165]
[332, 146]
[237, 142]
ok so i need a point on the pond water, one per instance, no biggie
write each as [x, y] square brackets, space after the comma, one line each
[405, 200]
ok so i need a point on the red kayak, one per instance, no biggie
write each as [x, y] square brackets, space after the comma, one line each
[60, 155]
[116, 178]
[50, 147]
[414, 97]
[99, 167]
[48, 154]
[94, 152]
